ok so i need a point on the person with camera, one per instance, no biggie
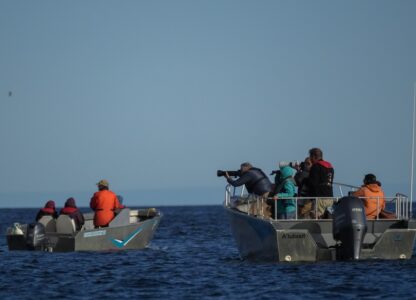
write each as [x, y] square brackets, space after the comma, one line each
[277, 173]
[282, 204]
[306, 206]
[256, 182]
[321, 176]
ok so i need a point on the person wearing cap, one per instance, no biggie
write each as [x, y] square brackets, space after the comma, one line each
[48, 210]
[372, 195]
[104, 203]
[73, 212]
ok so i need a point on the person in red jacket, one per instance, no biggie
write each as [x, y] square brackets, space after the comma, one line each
[104, 203]
[73, 212]
[48, 210]
[321, 176]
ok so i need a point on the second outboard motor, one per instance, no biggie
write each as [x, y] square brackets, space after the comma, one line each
[36, 237]
[349, 226]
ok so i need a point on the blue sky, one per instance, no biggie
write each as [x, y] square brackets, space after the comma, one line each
[158, 95]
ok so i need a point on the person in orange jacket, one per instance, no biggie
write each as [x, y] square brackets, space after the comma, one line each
[373, 196]
[104, 203]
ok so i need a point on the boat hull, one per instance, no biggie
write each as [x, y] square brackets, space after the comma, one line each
[115, 237]
[312, 240]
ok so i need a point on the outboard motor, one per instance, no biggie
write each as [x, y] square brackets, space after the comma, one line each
[36, 237]
[349, 226]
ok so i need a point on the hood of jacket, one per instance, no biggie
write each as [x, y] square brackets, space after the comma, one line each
[286, 171]
[70, 202]
[374, 187]
[50, 204]
[324, 164]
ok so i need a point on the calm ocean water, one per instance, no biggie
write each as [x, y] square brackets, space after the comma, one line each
[192, 256]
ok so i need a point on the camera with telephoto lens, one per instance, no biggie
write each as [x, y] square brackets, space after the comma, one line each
[230, 173]
[291, 164]
[275, 172]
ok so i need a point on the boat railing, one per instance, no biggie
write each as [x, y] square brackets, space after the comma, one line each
[342, 187]
[400, 204]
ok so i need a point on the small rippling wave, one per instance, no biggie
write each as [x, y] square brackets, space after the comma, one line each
[192, 256]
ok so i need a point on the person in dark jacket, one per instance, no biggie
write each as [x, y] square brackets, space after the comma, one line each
[48, 210]
[305, 205]
[301, 177]
[321, 176]
[256, 183]
[73, 212]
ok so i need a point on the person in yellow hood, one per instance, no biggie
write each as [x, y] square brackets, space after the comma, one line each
[373, 196]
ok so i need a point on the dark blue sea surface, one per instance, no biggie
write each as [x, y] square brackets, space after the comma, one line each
[192, 256]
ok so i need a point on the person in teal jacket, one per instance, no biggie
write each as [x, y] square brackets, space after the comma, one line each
[286, 208]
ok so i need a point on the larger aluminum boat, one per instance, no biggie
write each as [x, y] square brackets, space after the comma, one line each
[346, 235]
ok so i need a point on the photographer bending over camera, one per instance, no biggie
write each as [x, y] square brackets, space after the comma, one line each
[256, 183]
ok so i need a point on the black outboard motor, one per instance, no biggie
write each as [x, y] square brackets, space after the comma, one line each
[349, 226]
[36, 237]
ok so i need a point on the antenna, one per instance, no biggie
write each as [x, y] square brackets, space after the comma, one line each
[413, 143]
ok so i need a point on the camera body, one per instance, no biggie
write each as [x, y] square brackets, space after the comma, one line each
[275, 172]
[230, 173]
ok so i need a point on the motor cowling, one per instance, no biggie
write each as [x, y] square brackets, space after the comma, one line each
[35, 237]
[349, 227]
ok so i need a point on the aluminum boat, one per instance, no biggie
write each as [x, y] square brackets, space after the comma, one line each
[346, 235]
[130, 229]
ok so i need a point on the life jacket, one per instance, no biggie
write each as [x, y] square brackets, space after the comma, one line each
[260, 183]
[330, 172]
[68, 210]
[321, 176]
[48, 211]
[325, 164]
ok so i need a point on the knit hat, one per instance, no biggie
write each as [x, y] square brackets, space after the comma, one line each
[370, 178]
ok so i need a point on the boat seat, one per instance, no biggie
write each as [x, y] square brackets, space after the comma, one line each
[64, 224]
[89, 221]
[89, 224]
[88, 216]
[134, 216]
[121, 219]
[49, 222]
